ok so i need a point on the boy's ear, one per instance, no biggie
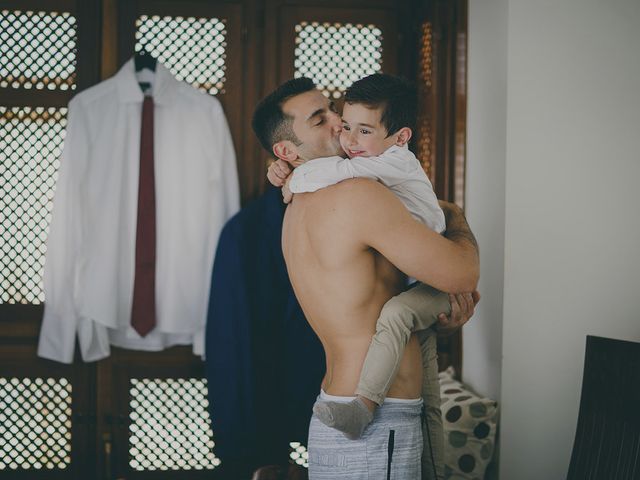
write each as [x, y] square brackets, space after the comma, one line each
[403, 136]
[285, 150]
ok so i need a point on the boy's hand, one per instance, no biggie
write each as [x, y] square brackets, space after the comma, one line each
[287, 196]
[462, 307]
[278, 173]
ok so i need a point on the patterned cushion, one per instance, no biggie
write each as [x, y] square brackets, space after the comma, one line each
[469, 429]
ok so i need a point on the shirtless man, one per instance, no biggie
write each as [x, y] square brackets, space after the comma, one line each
[340, 245]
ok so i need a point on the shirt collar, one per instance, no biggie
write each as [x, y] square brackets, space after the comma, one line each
[395, 148]
[129, 90]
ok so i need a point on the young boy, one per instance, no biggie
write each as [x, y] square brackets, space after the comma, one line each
[378, 117]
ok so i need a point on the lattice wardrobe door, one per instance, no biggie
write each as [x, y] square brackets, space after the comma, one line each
[334, 55]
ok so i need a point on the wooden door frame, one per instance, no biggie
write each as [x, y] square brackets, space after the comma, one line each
[100, 30]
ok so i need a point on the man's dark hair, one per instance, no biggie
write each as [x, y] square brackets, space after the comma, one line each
[396, 96]
[270, 123]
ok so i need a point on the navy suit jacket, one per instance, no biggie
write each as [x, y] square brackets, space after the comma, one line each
[264, 363]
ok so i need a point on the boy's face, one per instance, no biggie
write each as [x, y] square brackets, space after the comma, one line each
[362, 133]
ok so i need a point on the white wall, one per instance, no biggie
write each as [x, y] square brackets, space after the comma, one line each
[572, 201]
[485, 179]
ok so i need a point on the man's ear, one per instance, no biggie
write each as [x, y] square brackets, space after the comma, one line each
[403, 136]
[285, 150]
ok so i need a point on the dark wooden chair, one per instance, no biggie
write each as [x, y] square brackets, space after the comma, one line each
[276, 472]
[607, 443]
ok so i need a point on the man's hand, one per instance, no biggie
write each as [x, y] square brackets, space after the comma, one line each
[462, 307]
[278, 173]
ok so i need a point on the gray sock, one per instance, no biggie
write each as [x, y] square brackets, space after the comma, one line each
[350, 418]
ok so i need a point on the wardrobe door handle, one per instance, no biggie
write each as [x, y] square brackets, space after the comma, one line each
[106, 442]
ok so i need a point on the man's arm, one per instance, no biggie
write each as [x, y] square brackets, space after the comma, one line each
[457, 227]
[380, 221]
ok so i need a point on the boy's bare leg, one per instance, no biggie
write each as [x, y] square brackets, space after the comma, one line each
[413, 310]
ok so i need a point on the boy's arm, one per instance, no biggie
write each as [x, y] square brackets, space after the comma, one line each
[376, 168]
[320, 173]
[278, 172]
[389, 169]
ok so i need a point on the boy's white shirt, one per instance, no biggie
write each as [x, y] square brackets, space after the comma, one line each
[396, 168]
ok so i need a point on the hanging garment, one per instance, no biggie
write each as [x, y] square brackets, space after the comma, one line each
[264, 363]
[89, 266]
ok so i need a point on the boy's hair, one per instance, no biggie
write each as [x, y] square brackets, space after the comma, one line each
[395, 96]
[270, 123]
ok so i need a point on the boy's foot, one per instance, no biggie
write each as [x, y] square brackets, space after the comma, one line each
[350, 418]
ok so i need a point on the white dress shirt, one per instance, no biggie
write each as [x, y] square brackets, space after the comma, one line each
[396, 168]
[90, 258]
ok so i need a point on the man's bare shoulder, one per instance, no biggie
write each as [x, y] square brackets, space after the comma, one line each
[355, 203]
[357, 192]
[360, 195]
[364, 184]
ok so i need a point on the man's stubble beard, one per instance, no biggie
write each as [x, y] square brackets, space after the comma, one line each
[335, 149]
[339, 151]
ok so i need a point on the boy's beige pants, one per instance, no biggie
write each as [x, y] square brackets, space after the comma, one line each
[415, 310]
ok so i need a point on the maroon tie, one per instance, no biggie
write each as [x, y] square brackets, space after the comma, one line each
[143, 310]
